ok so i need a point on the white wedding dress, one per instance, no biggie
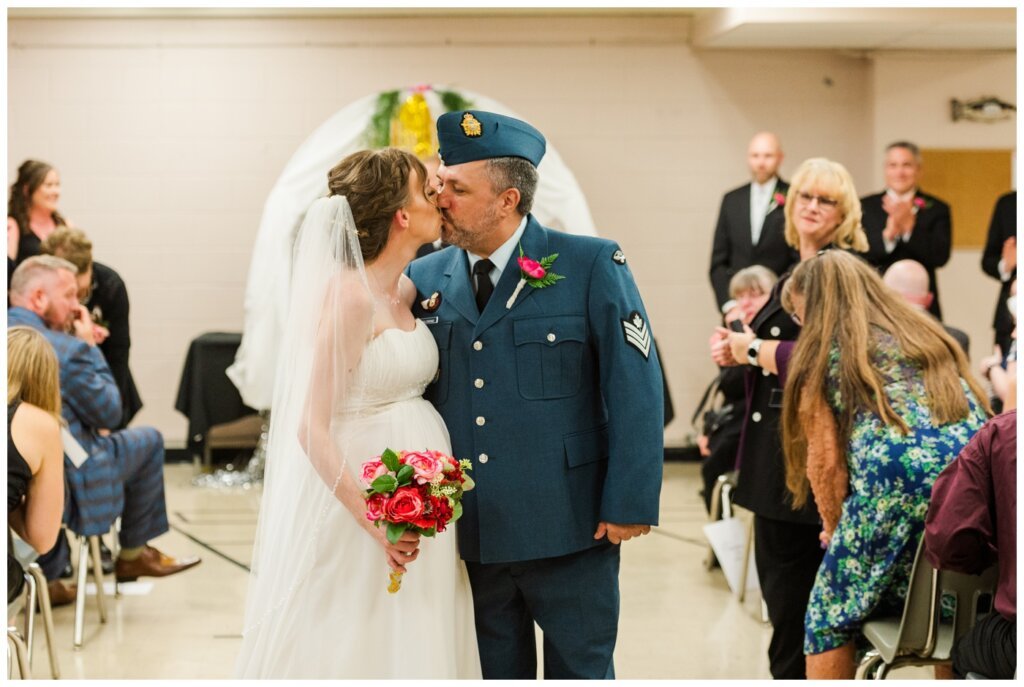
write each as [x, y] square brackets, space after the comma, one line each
[340, 621]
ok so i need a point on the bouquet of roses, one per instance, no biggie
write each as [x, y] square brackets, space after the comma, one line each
[418, 491]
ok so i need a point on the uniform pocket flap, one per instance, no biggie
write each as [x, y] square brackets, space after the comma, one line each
[442, 332]
[550, 330]
[586, 447]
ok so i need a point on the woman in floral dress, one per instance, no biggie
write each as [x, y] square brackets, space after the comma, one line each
[878, 401]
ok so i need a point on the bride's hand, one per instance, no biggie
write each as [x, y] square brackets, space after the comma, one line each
[398, 555]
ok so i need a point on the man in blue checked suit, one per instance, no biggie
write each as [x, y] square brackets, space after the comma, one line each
[124, 472]
[549, 381]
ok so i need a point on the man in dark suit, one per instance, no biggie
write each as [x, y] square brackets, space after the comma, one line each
[751, 224]
[902, 223]
[123, 474]
[551, 384]
[999, 260]
[910, 279]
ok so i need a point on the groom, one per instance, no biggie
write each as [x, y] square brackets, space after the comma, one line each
[553, 390]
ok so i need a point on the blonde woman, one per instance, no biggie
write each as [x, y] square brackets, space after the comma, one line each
[822, 210]
[35, 457]
[879, 399]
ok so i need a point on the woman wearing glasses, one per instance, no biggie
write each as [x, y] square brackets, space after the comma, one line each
[822, 210]
[879, 399]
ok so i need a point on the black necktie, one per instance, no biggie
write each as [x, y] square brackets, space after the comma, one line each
[484, 287]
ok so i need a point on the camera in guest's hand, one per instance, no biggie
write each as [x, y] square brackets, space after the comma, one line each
[736, 325]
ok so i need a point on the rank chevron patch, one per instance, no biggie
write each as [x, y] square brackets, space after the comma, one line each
[637, 334]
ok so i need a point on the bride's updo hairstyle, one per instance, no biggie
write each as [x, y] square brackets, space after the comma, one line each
[376, 184]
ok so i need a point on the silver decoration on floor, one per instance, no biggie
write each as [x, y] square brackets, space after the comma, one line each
[249, 477]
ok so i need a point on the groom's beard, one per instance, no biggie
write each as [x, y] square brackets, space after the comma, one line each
[473, 240]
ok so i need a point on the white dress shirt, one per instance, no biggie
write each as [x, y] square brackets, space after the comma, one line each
[760, 200]
[501, 256]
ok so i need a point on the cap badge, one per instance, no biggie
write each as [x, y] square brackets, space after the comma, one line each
[471, 126]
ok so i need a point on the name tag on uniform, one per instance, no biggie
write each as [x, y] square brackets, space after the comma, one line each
[429, 320]
[72, 448]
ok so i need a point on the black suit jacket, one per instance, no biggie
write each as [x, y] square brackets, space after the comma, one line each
[930, 243]
[733, 247]
[1002, 227]
[762, 480]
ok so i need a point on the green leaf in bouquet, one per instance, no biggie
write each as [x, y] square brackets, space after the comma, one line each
[385, 484]
[456, 512]
[396, 530]
[467, 482]
[390, 460]
[404, 475]
[429, 532]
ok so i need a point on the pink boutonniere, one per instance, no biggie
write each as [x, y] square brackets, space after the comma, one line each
[778, 200]
[536, 273]
[922, 203]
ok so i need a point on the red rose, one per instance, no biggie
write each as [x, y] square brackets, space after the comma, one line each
[780, 198]
[919, 202]
[375, 507]
[405, 505]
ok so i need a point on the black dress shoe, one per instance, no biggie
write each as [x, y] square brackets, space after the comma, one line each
[68, 572]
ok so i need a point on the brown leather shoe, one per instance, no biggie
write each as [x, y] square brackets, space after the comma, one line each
[61, 594]
[152, 563]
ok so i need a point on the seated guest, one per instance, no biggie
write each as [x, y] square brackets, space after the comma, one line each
[878, 400]
[35, 456]
[44, 296]
[909, 279]
[971, 525]
[750, 288]
[103, 293]
[1001, 370]
[902, 222]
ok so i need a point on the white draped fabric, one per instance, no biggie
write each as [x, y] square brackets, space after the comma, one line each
[559, 204]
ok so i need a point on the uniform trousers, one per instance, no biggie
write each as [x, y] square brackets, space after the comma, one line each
[573, 598]
[787, 556]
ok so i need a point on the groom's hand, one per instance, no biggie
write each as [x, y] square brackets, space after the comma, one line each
[620, 533]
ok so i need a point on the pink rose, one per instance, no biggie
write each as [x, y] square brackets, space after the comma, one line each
[532, 268]
[919, 202]
[372, 469]
[375, 507]
[425, 465]
[405, 505]
[780, 199]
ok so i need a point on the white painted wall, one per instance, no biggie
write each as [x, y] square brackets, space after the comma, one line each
[170, 132]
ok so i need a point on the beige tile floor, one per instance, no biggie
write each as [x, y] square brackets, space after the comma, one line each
[677, 620]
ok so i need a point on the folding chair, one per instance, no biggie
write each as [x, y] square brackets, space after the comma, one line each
[919, 637]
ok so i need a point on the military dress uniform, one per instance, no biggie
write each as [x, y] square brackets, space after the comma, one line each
[556, 397]
[787, 552]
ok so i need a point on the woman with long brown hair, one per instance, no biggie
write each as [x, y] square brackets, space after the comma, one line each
[32, 210]
[822, 210]
[878, 400]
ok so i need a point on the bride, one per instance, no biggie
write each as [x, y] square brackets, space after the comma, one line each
[353, 368]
